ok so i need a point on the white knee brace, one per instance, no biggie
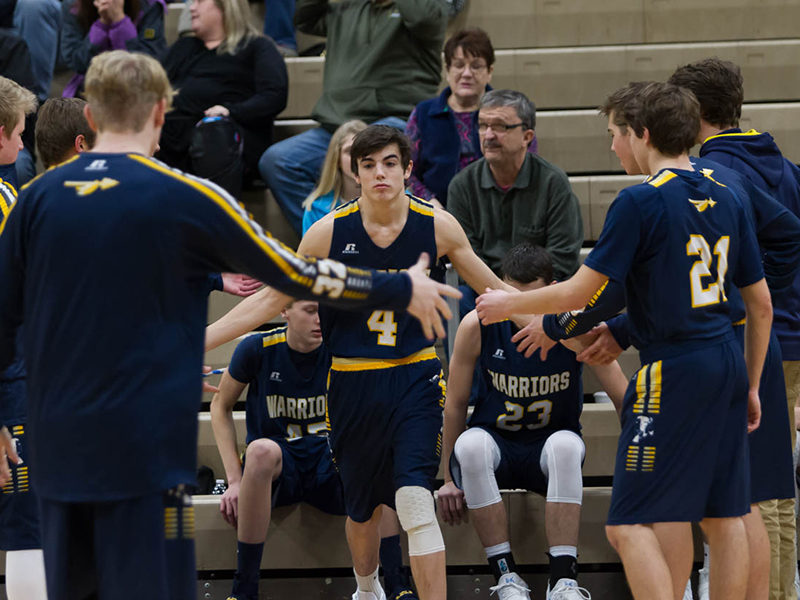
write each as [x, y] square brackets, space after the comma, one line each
[418, 519]
[560, 461]
[478, 456]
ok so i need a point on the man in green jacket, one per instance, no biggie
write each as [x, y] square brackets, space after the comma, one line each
[383, 58]
[511, 196]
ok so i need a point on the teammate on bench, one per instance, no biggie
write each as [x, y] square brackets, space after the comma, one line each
[524, 433]
[287, 457]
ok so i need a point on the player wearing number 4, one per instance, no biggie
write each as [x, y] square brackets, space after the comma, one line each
[287, 459]
[524, 433]
[682, 454]
[386, 390]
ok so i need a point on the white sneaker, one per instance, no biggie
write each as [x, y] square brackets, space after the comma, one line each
[511, 587]
[368, 595]
[567, 589]
[687, 593]
[702, 585]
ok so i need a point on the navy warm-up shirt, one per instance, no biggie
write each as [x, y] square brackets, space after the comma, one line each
[106, 259]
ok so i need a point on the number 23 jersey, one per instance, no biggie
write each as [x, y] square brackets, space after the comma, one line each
[526, 395]
[378, 333]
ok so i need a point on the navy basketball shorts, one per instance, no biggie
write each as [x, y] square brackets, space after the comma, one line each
[771, 466]
[19, 505]
[128, 549]
[308, 475]
[385, 422]
[683, 452]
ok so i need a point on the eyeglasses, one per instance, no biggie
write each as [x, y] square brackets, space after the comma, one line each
[498, 127]
[475, 67]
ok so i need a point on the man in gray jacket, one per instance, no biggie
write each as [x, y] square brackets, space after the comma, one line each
[383, 58]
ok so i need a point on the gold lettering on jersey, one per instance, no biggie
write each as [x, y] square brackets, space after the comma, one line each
[515, 386]
[296, 408]
[702, 205]
[84, 188]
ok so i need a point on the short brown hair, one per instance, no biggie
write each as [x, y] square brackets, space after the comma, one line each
[473, 41]
[14, 99]
[670, 113]
[719, 88]
[621, 102]
[59, 122]
[122, 88]
[375, 138]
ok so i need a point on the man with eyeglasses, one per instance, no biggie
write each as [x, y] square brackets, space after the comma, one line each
[511, 196]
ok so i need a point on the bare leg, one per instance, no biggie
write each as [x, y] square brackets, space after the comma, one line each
[561, 523]
[262, 466]
[389, 524]
[364, 540]
[675, 540]
[727, 541]
[430, 576]
[491, 524]
[645, 565]
[759, 551]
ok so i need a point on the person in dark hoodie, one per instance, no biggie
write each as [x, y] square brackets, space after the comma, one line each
[718, 87]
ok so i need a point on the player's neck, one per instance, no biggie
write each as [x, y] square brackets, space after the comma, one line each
[384, 212]
[657, 162]
[111, 142]
[299, 344]
[350, 189]
[707, 130]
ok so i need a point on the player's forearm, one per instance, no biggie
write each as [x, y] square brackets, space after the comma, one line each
[246, 316]
[613, 381]
[758, 308]
[225, 435]
[455, 422]
[605, 303]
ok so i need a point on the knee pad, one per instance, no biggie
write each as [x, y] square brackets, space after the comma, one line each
[476, 457]
[417, 517]
[560, 461]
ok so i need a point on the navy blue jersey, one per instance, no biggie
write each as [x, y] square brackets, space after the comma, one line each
[677, 241]
[281, 403]
[527, 394]
[111, 253]
[378, 333]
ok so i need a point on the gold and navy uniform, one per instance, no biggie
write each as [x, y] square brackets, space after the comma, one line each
[522, 402]
[290, 407]
[386, 389]
[111, 253]
[679, 242]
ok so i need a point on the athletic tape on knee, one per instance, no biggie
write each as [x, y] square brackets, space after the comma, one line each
[561, 463]
[418, 519]
[478, 456]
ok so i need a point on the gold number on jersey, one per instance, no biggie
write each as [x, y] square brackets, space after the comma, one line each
[317, 428]
[515, 412]
[382, 322]
[705, 296]
[330, 278]
[294, 431]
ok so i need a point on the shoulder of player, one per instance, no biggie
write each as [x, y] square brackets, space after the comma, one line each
[317, 240]
[47, 176]
[468, 336]
[273, 338]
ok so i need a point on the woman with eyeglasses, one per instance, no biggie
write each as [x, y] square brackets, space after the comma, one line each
[444, 130]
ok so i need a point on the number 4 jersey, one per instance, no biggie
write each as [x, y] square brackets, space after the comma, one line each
[379, 333]
[281, 403]
[678, 241]
[526, 395]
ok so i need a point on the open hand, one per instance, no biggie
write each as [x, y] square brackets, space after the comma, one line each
[207, 387]
[427, 304]
[532, 337]
[601, 347]
[217, 111]
[239, 285]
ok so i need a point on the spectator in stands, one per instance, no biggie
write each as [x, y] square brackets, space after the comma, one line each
[511, 196]
[718, 86]
[383, 58]
[228, 69]
[62, 131]
[279, 25]
[94, 26]
[444, 130]
[337, 184]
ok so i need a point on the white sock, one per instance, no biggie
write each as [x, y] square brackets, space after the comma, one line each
[504, 548]
[705, 556]
[564, 551]
[369, 583]
[25, 578]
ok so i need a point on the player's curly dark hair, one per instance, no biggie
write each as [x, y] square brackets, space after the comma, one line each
[670, 113]
[375, 138]
[525, 263]
[719, 88]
